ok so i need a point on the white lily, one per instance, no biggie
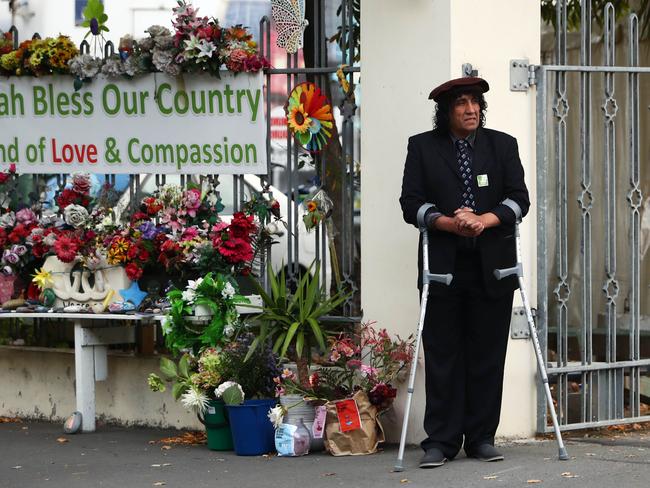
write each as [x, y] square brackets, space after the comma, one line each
[276, 415]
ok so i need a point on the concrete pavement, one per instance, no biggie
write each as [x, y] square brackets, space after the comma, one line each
[38, 454]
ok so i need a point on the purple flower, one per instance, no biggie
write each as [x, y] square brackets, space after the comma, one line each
[149, 230]
[10, 257]
[18, 249]
[94, 26]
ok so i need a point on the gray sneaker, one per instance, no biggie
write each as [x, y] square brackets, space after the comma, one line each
[432, 458]
[485, 452]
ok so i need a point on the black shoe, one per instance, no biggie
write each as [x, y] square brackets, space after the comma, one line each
[432, 458]
[485, 452]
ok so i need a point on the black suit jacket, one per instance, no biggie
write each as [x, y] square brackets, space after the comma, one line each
[431, 175]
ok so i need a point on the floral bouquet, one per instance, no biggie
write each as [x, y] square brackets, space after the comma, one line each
[38, 57]
[196, 44]
[6, 43]
[369, 361]
[218, 373]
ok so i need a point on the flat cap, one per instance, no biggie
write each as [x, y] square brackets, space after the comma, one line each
[466, 81]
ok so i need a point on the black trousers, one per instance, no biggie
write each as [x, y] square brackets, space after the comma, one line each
[465, 338]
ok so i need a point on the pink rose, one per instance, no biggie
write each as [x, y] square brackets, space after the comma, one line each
[192, 201]
[26, 216]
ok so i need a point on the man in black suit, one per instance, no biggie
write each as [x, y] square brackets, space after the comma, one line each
[466, 184]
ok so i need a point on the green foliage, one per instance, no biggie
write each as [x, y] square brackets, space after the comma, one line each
[574, 11]
[292, 320]
[179, 375]
[233, 395]
[354, 37]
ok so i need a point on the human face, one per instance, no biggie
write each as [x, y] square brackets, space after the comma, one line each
[464, 117]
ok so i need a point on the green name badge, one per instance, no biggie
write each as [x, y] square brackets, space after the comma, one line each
[482, 180]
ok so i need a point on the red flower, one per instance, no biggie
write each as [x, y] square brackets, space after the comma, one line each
[65, 249]
[133, 271]
[144, 255]
[69, 196]
[242, 226]
[3, 236]
[236, 250]
[4, 177]
[139, 216]
[39, 250]
[19, 233]
[151, 205]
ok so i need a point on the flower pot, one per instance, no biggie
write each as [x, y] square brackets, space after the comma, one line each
[252, 431]
[202, 311]
[217, 427]
[305, 411]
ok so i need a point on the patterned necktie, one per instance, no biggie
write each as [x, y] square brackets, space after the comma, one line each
[465, 165]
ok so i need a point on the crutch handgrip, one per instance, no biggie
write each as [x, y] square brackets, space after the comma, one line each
[440, 278]
[499, 274]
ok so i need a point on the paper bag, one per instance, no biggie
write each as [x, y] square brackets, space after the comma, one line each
[363, 440]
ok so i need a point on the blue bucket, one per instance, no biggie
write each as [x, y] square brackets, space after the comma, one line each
[252, 431]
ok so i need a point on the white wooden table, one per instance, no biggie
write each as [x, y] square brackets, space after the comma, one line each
[93, 333]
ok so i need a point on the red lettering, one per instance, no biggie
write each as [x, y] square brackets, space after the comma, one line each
[54, 156]
[74, 153]
[92, 153]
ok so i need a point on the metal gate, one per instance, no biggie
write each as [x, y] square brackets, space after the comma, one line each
[592, 175]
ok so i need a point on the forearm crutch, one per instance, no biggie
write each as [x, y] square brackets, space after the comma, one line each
[427, 278]
[518, 270]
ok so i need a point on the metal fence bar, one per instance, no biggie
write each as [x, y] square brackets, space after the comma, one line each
[597, 366]
[585, 202]
[634, 198]
[611, 286]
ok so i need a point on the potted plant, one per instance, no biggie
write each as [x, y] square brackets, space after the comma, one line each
[291, 320]
[248, 402]
[194, 381]
[359, 383]
[198, 382]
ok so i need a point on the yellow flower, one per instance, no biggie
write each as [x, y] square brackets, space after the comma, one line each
[43, 279]
[298, 119]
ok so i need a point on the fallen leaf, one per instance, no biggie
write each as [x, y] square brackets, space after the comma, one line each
[166, 448]
[10, 420]
[16, 467]
[590, 454]
[568, 474]
[159, 483]
[491, 477]
[62, 440]
[191, 438]
[166, 464]
[155, 465]
[328, 474]
[405, 480]
[533, 481]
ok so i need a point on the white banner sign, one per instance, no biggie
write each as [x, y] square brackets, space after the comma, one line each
[196, 124]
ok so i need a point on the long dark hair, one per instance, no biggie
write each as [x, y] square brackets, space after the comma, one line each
[443, 107]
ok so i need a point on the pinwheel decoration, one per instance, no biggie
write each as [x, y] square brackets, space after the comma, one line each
[309, 117]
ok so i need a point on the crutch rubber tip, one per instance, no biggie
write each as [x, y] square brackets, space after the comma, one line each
[398, 468]
[563, 455]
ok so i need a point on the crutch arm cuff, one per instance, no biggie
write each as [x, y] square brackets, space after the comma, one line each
[508, 211]
[426, 216]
